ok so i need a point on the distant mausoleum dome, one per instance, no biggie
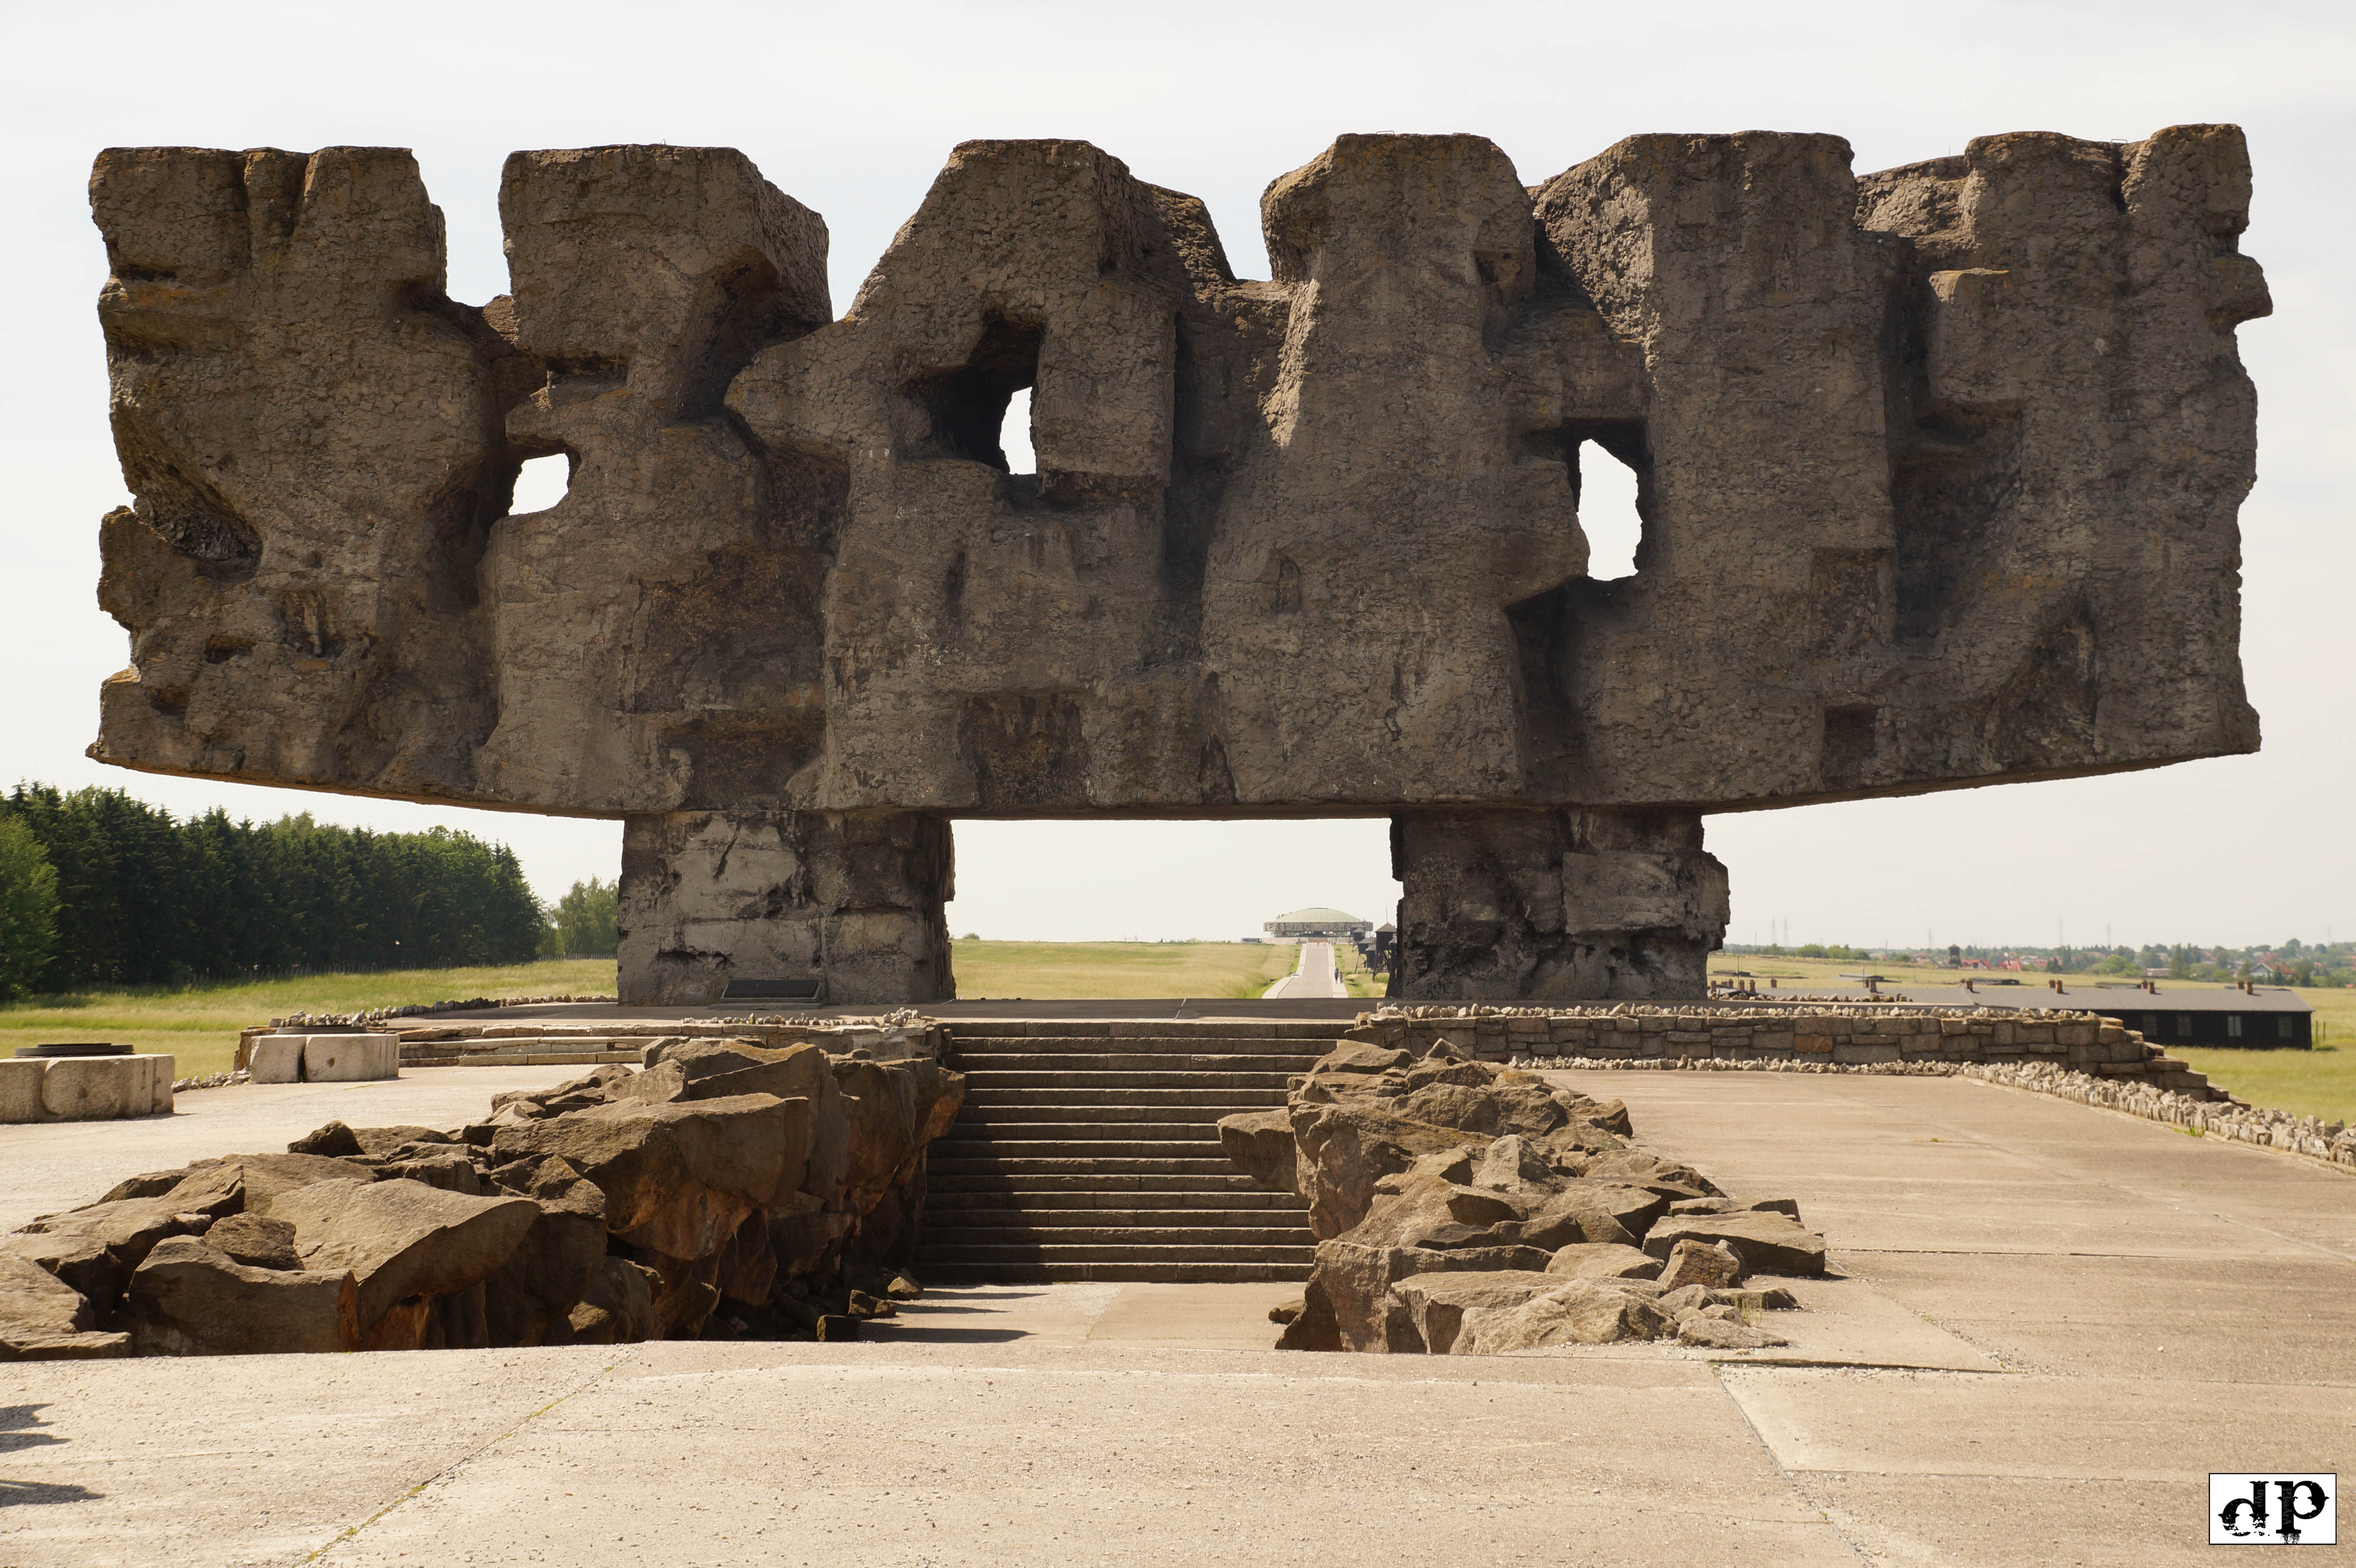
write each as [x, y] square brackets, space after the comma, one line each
[1317, 922]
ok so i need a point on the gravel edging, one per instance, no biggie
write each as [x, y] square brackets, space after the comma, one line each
[2328, 1142]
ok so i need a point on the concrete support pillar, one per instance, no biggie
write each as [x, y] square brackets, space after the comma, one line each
[852, 902]
[1554, 905]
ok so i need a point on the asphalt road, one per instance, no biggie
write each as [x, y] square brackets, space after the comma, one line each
[1312, 977]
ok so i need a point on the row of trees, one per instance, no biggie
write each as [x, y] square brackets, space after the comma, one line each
[99, 888]
[2294, 961]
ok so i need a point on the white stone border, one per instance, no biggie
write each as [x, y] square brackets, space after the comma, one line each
[2332, 1143]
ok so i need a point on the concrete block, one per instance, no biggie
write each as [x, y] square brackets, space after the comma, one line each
[350, 1058]
[89, 1089]
[1851, 1055]
[277, 1059]
[20, 1090]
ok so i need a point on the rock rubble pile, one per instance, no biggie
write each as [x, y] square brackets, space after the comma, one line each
[725, 1190]
[1464, 1209]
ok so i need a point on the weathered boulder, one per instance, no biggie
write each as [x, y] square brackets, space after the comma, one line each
[1576, 1312]
[894, 1110]
[1670, 1179]
[189, 1298]
[1605, 1260]
[254, 1240]
[617, 1307]
[1343, 1150]
[679, 1177]
[405, 1245]
[1708, 1264]
[42, 1319]
[1768, 1243]
[1261, 1143]
[94, 1249]
[1437, 1303]
[532, 1295]
[1725, 1333]
[1348, 1304]
[1466, 1209]
[1790, 1206]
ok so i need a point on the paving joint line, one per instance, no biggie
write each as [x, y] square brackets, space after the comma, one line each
[352, 1531]
[1790, 1480]
[2047, 1166]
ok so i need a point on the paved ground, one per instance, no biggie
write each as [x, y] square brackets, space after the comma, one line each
[1313, 978]
[2055, 1322]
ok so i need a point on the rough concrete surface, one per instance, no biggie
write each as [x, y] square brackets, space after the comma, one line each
[1938, 471]
[1132, 1423]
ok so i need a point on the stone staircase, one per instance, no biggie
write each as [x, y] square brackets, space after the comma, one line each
[1090, 1150]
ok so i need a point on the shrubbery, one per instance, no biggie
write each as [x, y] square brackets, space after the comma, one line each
[585, 921]
[144, 899]
[28, 907]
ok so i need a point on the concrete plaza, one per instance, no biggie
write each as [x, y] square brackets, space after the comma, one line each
[2053, 1323]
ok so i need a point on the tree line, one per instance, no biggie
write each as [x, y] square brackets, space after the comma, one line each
[99, 888]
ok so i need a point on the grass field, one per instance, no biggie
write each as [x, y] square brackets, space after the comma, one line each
[2319, 1083]
[1053, 971]
[199, 1024]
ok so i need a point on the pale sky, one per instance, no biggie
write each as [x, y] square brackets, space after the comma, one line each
[851, 109]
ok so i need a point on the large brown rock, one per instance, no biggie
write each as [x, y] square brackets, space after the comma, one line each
[1584, 1260]
[1348, 1296]
[1580, 1312]
[679, 1177]
[190, 1299]
[1438, 1302]
[1344, 1150]
[44, 1319]
[1261, 1143]
[617, 1307]
[533, 1293]
[405, 1244]
[1768, 1243]
[95, 1248]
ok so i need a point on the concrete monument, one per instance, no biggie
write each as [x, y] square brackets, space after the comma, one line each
[1938, 471]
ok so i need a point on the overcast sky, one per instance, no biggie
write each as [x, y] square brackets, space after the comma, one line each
[851, 109]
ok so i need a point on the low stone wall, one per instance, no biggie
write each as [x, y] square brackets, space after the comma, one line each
[545, 1043]
[1853, 1035]
[85, 1088]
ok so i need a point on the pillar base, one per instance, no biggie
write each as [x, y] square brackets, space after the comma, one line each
[1527, 906]
[846, 908]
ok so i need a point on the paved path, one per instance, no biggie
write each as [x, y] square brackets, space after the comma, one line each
[1313, 977]
[46, 1167]
[2054, 1322]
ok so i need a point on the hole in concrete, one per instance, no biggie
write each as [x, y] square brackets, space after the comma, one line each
[972, 407]
[1014, 435]
[542, 483]
[1607, 512]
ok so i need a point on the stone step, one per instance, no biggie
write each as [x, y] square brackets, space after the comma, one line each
[1138, 1088]
[1082, 1159]
[1149, 1029]
[1126, 1274]
[1137, 1236]
[1056, 1206]
[1145, 1212]
[944, 1252]
[993, 1119]
[1082, 1045]
[1178, 1071]
[986, 1135]
[1111, 1184]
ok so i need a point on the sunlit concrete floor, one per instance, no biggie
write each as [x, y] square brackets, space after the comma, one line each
[2052, 1322]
